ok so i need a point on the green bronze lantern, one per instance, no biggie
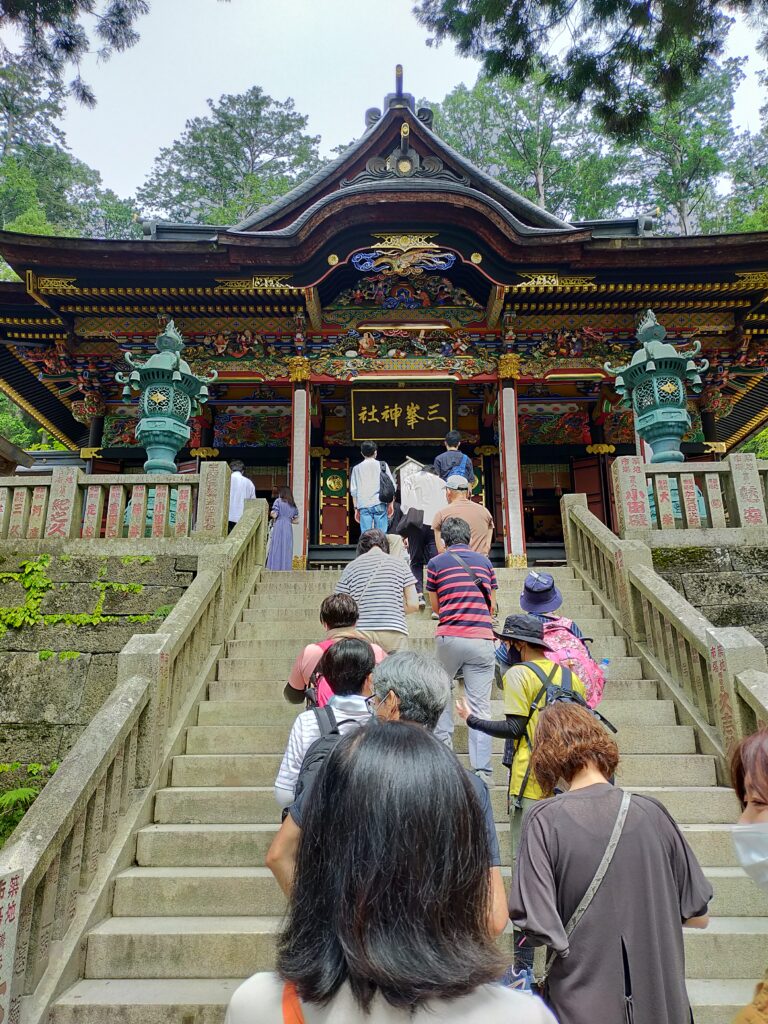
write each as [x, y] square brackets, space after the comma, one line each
[170, 394]
[654, 385]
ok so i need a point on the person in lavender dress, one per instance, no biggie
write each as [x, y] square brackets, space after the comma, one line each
[284, 513]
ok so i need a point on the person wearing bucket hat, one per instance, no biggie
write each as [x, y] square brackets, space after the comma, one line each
[524, 684]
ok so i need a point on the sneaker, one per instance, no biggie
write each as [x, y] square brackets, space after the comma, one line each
[422, 603]
[435, 616]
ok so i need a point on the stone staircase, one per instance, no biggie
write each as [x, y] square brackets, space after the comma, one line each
[198, 911]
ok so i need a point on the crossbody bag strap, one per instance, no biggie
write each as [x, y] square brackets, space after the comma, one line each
[369, 581]
[596, 882]
[473, 576]
[291, 1005]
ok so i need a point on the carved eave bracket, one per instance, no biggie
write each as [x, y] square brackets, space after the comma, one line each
[405, 162]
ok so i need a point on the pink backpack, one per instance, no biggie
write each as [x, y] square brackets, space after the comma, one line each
[318, 691]
[567, 649]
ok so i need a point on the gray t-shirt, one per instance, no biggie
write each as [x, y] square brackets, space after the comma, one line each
[260, 999]
[377, 581]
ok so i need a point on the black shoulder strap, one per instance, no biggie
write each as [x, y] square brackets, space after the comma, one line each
[472, 574]
[545, 680]
[326, 720]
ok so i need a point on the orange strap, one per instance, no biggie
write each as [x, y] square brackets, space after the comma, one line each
[291, 1005]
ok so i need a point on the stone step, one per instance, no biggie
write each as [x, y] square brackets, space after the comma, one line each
[270, 690]
[279, 712]
[716, 1001]
[294, 585]
[181, 947]
[234, 891]
[246, 845]
[256, 804]
[256, 739]
[307, 621]
[261, 769]
[268, 637]
[204, 1000]
[259, 667]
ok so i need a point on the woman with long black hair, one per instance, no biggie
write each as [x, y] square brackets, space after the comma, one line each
[389, 910]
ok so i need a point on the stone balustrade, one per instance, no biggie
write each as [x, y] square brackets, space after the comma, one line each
[718, 677]
[69, 505]
[80, 831]
[723, 502]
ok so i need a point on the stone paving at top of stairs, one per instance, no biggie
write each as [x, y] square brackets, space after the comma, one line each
[198, 911]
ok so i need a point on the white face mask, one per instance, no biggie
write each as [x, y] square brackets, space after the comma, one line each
[751, 843]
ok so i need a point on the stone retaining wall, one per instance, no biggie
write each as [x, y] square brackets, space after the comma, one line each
[55, 675]
[729, 585]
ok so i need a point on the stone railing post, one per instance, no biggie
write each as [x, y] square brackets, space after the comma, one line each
[64, 504]
[570, 539]
[731, 651]
[630, 492]
[212, 501]
[142, 656]
[630, 554]
[747, 493]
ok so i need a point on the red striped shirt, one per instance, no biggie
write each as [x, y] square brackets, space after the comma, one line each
[463, 611]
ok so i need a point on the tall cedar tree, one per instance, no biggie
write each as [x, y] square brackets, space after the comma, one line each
[246, 152]
[537, 144]
[620, 56]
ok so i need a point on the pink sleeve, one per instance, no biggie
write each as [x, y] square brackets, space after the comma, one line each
[379, 653]
[304, 666]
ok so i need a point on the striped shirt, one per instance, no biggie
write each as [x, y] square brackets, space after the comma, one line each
[377, 581]
[463, 611]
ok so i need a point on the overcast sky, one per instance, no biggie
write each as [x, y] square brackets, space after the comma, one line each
[335, 58]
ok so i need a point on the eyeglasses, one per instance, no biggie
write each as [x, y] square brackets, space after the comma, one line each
[372, 703]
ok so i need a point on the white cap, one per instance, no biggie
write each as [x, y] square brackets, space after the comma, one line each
[457, 483]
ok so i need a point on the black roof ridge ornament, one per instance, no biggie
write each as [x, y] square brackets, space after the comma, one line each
[399, 100]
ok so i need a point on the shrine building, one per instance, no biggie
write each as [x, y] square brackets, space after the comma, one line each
[395, 294]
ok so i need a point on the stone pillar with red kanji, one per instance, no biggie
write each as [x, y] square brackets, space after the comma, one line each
[511, 475]
[630, 492]
[298, 369]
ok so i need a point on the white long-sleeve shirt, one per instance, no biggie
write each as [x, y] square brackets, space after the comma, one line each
[425, 491]
[364, 483]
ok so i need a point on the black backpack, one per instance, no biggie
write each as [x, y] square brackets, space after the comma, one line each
[550, 693]
[321, 748]
[386, 487]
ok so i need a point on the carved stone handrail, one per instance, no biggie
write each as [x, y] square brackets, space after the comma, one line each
[682, 504]
[80, 831]
[718, 677]
[70, 504]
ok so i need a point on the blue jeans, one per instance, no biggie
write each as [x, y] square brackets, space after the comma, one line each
[373, 518]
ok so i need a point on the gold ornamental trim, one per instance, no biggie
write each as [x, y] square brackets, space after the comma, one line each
[90, 453]
[532, 281]
[406, 242]
[299, 563]
[299, 368]
[516, 562]
[601, 449]
[271, 284]
[204, 453]
[319, 453]
[715, 447]
[487, 449]
[57, 285]
[510, 366]
[476, 258]
[333, 259]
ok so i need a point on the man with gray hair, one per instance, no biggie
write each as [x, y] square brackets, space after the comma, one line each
[407, 687]
[461, 585]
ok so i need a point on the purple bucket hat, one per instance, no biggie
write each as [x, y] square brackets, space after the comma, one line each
[540, 594]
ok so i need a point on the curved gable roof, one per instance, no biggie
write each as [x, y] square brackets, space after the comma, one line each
[377, 144]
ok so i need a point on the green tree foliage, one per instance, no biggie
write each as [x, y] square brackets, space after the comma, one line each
[15, 425]
[758, 445]
[687, 146]
[247, 151]
[538, 144]
[620, 56]
[31, 104]
[56, 36]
